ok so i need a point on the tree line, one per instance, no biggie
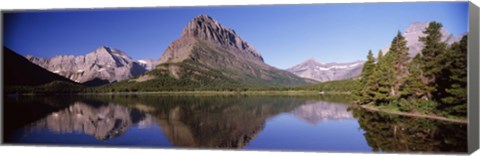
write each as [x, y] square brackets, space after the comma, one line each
[433, 81]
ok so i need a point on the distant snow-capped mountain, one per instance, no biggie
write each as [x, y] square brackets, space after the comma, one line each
[327, 71]
[104, 65]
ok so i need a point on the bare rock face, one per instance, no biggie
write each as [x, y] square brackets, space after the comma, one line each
[415, 30]
[105, 63]
[323, 72]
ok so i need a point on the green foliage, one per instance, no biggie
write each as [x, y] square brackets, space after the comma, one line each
[455, 99]
[414, 87]
[390, 71]
[399, 52]
[434, 81]
[432, 58]
[366, 87]
[384, 76]
[427, 107]
[406, 105]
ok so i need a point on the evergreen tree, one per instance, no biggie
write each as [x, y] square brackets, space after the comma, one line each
[432, 60]
[399, 51]
[384, 75]
[455, 100]
[368, 67]
[391, 71]
[414, 89]
[379, 55]
[365, 92]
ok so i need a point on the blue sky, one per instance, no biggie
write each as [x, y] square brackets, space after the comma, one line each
[285, 35]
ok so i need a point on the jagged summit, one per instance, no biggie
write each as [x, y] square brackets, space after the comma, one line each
[200, 23]
[206, 29]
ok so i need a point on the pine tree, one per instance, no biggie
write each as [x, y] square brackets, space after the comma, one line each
[365, 92]
[432, 60]
[399, 51]
[384, 75]
[379, 55]
[414, 89]
[392, 70]
[368, 67]
[455, 100]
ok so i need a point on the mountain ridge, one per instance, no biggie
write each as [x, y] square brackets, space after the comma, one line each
[104, 64]
[323, 72]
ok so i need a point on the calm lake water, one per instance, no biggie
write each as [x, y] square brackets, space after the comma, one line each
[234, 122]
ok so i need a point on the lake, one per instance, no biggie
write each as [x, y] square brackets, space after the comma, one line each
[280, 123]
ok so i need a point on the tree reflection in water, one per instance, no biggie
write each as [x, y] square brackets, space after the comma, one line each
[393, 133]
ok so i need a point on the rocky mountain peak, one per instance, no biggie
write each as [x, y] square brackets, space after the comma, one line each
[200, 24]
[205, 28]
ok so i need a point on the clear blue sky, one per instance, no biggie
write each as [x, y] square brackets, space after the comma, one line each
[284, 34]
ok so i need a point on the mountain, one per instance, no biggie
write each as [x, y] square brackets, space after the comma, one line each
[415, 30]
[209, 54]
[18, 71]
[104, 65]
[327, 71]
[339, 71]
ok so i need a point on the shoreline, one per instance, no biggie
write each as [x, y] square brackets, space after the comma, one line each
[434, 117]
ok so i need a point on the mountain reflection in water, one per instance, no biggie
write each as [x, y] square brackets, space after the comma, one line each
[253, 122]
[102, 122]
[315, 112]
